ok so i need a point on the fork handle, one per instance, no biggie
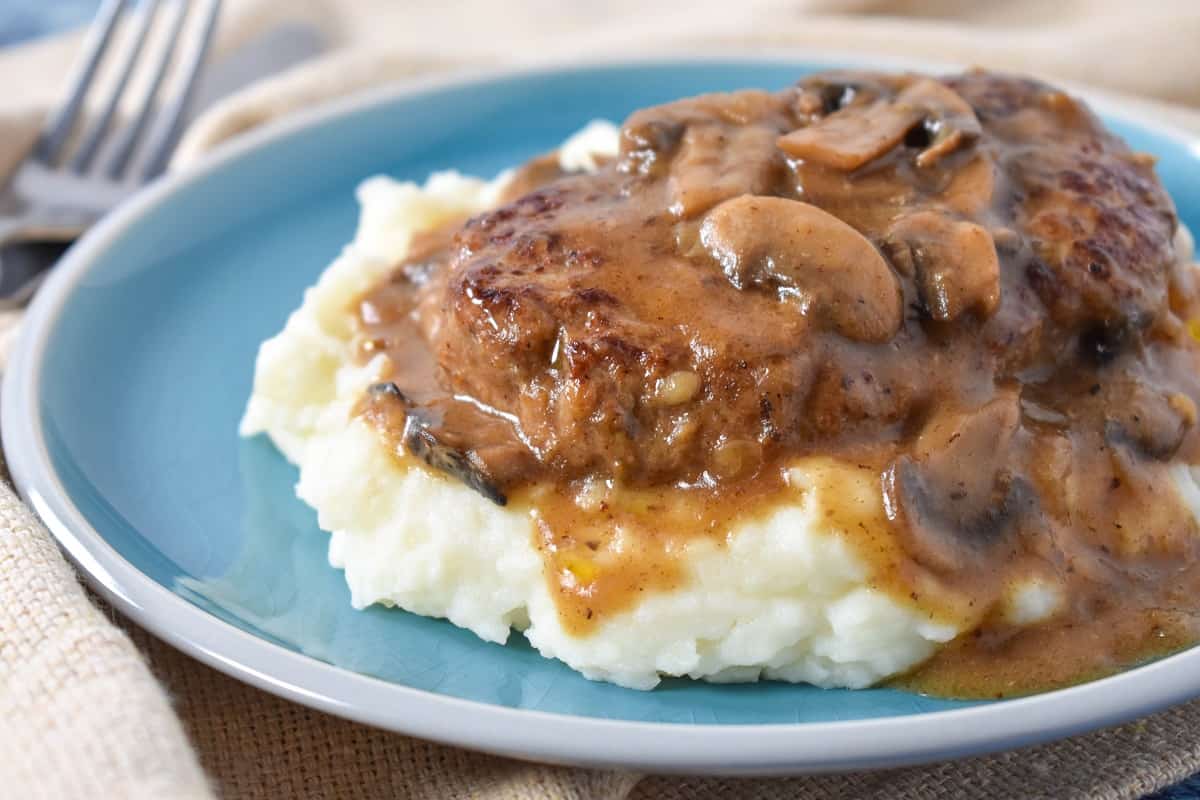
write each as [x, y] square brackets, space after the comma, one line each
[24, 264]
[12, 229]
[42, 228]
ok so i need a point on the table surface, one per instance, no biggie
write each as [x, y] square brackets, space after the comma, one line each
[21, 20]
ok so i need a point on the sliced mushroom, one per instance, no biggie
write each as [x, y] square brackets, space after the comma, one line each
[849, 138]
[953, 261]
[949, 121]
[648, 140]
[798, 249]
[651, 137]
[421, 440]
[956, 489]
[716, 162]
[832, 91]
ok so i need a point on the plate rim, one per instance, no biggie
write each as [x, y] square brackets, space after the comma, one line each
[738, 749]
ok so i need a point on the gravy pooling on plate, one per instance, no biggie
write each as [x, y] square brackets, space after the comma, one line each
[964, 287]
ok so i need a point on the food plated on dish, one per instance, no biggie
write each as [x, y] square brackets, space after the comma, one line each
[877, 377]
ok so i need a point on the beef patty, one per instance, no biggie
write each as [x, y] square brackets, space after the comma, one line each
[761, 274]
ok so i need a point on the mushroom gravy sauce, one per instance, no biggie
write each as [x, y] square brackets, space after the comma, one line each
[956, 304]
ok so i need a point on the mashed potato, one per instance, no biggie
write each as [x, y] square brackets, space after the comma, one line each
[785, 597]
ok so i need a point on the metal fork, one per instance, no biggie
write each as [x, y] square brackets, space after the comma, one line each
[58, 191]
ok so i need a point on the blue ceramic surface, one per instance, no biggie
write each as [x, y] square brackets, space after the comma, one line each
[149, 361]
[150, 369]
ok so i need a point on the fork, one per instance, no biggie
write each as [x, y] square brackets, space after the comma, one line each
[60, 189]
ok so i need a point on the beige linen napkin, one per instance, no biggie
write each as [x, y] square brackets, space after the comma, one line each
[80, 713]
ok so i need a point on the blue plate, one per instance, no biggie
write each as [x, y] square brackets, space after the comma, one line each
[120, 415]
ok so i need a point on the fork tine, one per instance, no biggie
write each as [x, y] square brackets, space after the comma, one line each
[116, 162]
[58, 127]
[164, 145]
[91, 142]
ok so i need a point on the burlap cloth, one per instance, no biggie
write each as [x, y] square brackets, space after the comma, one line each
[80, 712]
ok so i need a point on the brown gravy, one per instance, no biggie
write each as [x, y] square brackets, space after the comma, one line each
[963, 290]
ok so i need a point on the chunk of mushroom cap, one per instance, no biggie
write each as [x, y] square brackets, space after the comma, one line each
[715, 164]
[850, 138]
[846, 141]
[419, 439]
[837, 275]
[955, 488]
[953, 261]
[949, 120]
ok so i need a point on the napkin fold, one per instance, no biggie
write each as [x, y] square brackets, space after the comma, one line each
[82, 715]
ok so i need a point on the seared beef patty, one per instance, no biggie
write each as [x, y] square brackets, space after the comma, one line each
[762, 274]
